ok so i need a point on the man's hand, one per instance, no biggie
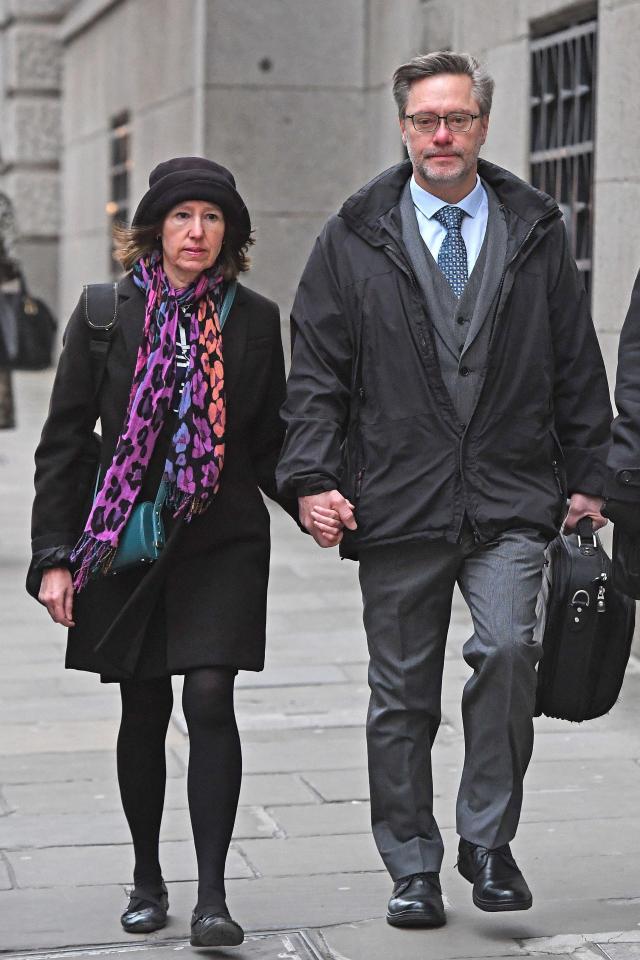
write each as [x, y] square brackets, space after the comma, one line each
[324, 515]
[582, 505]
[56, 593]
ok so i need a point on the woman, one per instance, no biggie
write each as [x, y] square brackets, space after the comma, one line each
[184, 403]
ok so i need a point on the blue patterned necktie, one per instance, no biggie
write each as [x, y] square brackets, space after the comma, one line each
[452, 256]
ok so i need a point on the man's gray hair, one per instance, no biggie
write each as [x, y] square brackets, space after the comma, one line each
[443, 61]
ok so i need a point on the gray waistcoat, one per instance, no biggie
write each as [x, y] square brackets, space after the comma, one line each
[462, 327]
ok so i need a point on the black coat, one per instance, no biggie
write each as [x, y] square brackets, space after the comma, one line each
[624, 457]
[207, 592]
[541, 421]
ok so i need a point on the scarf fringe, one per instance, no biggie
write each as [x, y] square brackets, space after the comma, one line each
[93, 556]
[185, 505]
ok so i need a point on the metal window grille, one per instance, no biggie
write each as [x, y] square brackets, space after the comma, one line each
[119, 177]
[563, 97]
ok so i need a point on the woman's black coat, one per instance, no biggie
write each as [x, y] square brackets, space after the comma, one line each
[207, 592]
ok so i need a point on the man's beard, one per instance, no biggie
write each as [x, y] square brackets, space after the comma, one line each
[432, 174]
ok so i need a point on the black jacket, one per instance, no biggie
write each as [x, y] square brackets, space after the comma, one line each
[211, 578]
[623, 482]
[367, 410]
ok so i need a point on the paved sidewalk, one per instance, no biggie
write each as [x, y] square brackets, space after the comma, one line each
[305, 879]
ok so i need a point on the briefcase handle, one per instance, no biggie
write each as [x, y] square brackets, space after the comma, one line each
[587, 541]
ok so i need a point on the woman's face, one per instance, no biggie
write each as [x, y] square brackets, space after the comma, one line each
[192, 235]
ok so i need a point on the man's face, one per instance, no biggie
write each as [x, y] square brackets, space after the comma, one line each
[444, 159]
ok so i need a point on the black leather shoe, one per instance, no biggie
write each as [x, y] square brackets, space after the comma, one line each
[497, 881]
[416, 901]
[215, 930]
[146, 911]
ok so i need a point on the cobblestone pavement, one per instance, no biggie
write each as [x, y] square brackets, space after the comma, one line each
[305, 879]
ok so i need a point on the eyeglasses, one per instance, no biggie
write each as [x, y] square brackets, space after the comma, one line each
[454, 122]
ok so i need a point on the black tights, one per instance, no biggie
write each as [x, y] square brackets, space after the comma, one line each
[213, 784]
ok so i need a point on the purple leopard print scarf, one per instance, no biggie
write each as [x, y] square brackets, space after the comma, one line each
[196, 455]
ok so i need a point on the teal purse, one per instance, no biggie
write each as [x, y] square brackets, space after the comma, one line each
[143, 538]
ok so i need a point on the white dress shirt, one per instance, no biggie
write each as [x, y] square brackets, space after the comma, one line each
[473, 227]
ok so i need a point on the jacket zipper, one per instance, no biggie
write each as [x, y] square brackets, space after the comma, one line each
[549, 214]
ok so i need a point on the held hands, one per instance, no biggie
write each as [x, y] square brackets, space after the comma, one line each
[324, 516]
[56, 593]
[582, 505]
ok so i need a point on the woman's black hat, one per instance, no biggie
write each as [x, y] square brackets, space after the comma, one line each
[192, 178]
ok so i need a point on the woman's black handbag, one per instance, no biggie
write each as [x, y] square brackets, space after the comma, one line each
[587, 628]
[29, 328]
[626, 561]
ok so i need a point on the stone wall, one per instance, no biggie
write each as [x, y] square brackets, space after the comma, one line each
[296, 102]
[30, 143]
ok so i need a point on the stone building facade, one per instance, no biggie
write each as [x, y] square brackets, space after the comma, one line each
[293, 95]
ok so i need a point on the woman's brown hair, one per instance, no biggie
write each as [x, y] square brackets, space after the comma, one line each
[131, 243]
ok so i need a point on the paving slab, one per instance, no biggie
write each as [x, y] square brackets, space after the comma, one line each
[619, 951]
[90, 829]
[94, 706]
[326, 819]
[467, 938]
[68, 916]
[270, 752]
[338, 647]
[294, 944]
[295, 675]
[97, 796]
[578, 746]
[6, 875]
[269, 707]
[581, 790]
[618, 945]
[337, 785]
[271, 789]
[14, 652]
[69, 766]
[306, 856]
[113, 864]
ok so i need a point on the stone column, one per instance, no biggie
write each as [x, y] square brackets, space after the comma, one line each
[30, 134]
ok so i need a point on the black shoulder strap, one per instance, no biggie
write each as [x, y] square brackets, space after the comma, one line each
[101, 316]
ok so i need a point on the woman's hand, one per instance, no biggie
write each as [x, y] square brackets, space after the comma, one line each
[56, 593]
[324, 515]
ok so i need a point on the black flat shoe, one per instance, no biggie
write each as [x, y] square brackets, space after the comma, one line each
[497, 881]
[146, 911]
[416, 901]
[215, 930]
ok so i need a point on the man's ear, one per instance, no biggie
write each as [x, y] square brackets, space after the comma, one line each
[403, 131]
[484, 125]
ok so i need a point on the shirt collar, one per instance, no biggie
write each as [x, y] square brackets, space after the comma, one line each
[429, 205]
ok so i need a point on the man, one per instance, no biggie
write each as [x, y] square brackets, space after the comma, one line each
[447, 380]
[623, 482]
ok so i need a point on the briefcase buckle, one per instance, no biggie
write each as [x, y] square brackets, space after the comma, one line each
[580, 599]
[588, 546]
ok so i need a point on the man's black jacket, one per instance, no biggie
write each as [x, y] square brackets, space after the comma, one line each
[367, 410]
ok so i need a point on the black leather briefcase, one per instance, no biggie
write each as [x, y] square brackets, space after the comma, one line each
[587, 628]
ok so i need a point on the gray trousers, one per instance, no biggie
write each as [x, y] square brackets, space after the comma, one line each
[407, 592]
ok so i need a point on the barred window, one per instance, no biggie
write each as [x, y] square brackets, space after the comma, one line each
[119, 178]
[563, 98]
